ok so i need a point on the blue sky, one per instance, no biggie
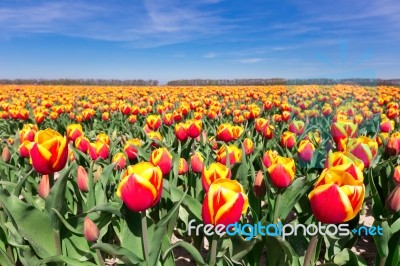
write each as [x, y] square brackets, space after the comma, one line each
[174, 39]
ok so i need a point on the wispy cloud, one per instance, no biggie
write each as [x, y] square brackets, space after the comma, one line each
[210, 55]
[147, 23]
[250, 60]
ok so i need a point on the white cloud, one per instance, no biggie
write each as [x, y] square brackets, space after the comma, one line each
[250, 60]
[210, 55]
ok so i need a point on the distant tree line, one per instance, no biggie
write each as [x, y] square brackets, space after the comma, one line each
[279, 81]
[133, 82]
[204, 82]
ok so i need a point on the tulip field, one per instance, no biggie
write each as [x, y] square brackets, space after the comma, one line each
[123, 175]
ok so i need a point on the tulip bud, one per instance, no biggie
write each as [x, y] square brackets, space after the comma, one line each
[196, 163]
[120, 160]
[44, 187]
[90, 230]
[288, 139]
[282, 173]
[248, 146]
[393, 200]
[183, 166]
[269, 158]
[260, 188]
[6, 155]
[396, 175]
[306, 150]
[82, 179]
[163, 159]
[82, 143]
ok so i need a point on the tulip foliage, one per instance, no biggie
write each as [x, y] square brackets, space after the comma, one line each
[123, 175]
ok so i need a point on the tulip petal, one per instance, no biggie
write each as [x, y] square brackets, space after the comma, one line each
[330, 204]
[40, 159]
[137, 193]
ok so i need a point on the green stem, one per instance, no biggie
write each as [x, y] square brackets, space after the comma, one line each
[213, 250]
[51, 180]
[277, 206]
[100, 258]
[145, 238]
[309, 257]
[57, 241]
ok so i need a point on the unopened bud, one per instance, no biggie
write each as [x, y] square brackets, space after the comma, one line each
[90, 230]
[393, 200]
[6, 155]
[260, 188]
[82, 179]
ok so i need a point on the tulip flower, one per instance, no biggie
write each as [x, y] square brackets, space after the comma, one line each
[98, 150]
[337, 195]
[260, 124]
[387, 125]
[297, 127]
[341, 158]
[153, 122]
[306, 150]
[74, 131]
[282, 173]
[194, 128]
[269, 158]
[180, 131]
[49, 152]
[288, 139]
[233, 152]
[214, 172]
[183, 166]
[141, 186]
[286, 116]
[102, 137]
[343, 129]
[163, 159]
[393, 200]
[363, 148]
[168, 119]
[90, 230]
[260, 187]
[82, 179]
[120, 161]
[82, 143]
[196, 162]
[224, 132]
[248, 146]
[130, 148]
[393, 145]
[224, 203]
[27, 133]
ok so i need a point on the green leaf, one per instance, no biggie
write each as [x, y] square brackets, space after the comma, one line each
[67, 225]
[347, 258]
[381, 242]
[121, 253]
[292, 195]
[189, 248]
[23, 217]
[66, 260]
[56, 197]
[110, 207]
[159, 230]
[191, 205]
